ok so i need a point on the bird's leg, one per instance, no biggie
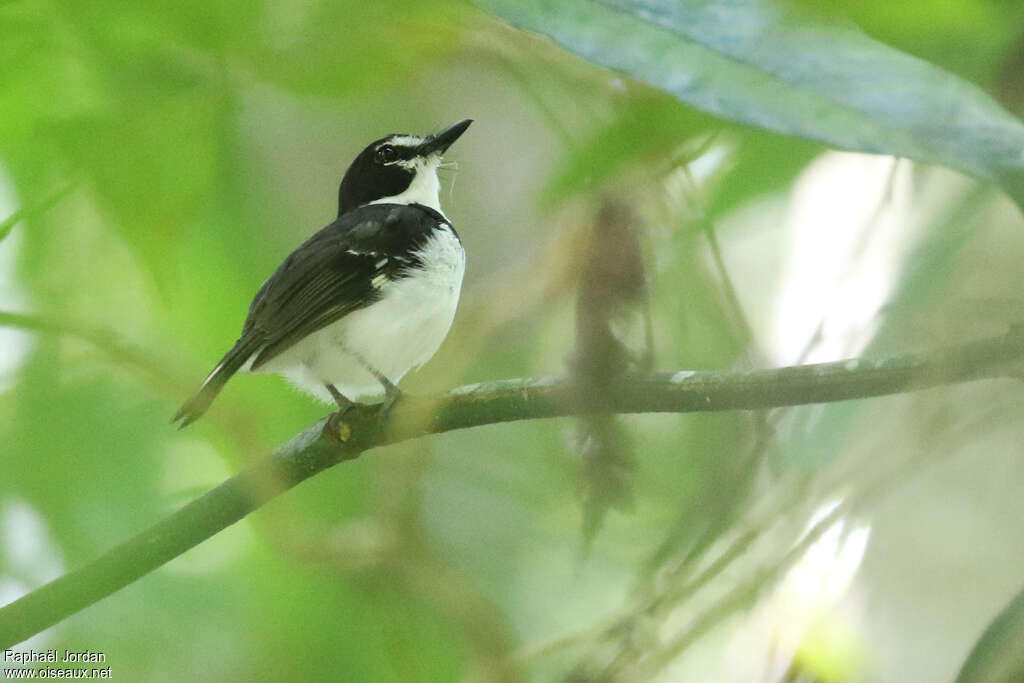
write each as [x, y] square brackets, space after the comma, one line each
[343, 401]
[391, 394]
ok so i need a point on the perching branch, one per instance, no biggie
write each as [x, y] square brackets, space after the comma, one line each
[330, 441]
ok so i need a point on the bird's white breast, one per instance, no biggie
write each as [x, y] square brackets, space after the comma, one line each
[399, 332]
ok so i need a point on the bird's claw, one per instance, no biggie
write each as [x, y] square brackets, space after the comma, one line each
[336, 428]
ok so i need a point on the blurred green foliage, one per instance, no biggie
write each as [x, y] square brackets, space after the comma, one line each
[201, 141]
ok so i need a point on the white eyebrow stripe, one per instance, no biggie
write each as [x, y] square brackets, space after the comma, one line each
[405, 140]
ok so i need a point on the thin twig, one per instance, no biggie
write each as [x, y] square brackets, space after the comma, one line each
[162, 376]
[106, 341]
[43, 206]
[742, 596]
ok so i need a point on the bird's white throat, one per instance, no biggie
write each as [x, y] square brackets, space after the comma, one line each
[424, 189]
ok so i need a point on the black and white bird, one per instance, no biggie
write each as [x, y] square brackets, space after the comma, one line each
[369, 297]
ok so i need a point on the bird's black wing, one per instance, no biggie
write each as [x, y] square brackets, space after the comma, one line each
[338, 270]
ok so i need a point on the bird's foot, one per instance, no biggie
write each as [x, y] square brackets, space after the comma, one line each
[336, 427]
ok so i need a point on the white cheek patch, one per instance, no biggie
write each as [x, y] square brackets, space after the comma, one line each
[424, 189]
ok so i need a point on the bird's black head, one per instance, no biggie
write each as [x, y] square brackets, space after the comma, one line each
[398, 168]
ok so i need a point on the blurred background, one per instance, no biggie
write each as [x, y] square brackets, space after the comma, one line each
[159, 159]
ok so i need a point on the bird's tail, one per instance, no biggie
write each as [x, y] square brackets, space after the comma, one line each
[232, 361]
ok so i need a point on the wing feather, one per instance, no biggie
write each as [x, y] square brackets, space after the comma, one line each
[339, 270]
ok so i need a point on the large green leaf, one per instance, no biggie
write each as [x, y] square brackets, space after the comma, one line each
[755, 63]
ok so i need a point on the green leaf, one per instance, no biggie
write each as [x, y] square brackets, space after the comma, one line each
[757, 64]
[998, 656]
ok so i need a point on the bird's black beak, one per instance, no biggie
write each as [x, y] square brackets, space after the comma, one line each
[439, 143]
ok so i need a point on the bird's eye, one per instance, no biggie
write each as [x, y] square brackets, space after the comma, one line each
[386, 154]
